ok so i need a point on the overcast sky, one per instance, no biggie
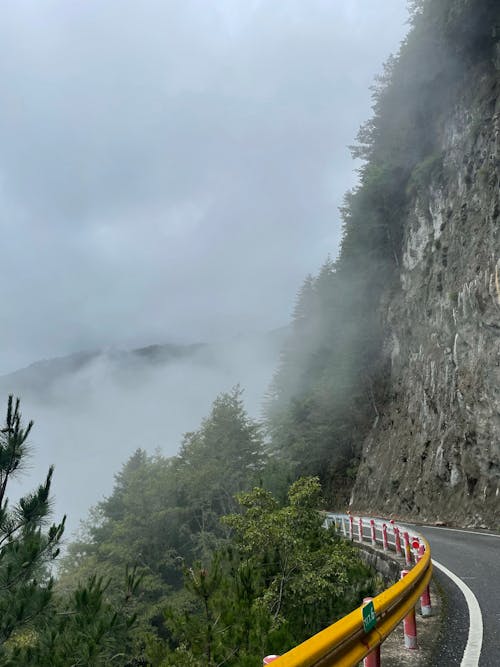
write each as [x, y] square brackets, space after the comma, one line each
[171, 170]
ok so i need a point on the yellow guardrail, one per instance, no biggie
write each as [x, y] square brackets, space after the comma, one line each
[345, 643]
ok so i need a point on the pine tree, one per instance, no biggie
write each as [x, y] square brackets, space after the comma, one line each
[223, 457]
[26, 550]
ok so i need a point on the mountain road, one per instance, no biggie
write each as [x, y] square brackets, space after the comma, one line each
[471, 630]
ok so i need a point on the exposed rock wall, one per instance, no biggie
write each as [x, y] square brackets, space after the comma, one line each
[435, 450]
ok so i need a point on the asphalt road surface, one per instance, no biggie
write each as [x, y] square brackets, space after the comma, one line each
[474, 557]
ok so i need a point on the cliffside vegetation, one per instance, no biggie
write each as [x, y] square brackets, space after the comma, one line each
[228, 572]
[180, 565]
[332, 382]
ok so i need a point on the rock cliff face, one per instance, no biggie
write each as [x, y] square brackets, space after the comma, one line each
[434, 451]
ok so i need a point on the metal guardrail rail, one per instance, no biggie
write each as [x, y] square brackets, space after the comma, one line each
[345, 643]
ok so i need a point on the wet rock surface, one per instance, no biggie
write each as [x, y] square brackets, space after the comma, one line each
[434, 452]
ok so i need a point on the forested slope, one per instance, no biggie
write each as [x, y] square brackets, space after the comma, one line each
[377, 334]
[438, 432]
[228, 571]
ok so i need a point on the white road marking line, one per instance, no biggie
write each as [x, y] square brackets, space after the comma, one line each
[474, 644]
[458, 530]
[475, 638]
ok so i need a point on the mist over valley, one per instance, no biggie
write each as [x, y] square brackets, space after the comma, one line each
[92, 410]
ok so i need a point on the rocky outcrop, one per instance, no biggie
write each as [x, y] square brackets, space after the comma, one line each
[434, 452]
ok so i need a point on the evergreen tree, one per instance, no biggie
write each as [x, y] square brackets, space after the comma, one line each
[38, 625]
[84, 628]
[164, 513]
[26, 549]
[282, 578]
[223, 457]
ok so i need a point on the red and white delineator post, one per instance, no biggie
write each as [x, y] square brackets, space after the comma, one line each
[351, 527]
[373, 533]
[425, 598]
[410, 624]
[415, 543]
[269, 659]
[373, 658]
[360, 529]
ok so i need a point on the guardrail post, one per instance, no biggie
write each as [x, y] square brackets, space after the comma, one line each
[360, 529]
[373, 658]
[415, 543]
[344, 529]
[409, 624]
[397, 538]
[351, 528]
[269, 659]
[374, 535]
[406, 539]
[384, 537]
[425, 598]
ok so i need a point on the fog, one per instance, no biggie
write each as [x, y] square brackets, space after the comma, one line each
[89, 421]
[170, 172]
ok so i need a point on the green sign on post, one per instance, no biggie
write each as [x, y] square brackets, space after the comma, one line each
[369, 617]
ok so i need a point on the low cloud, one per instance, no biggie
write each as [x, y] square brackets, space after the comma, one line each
[173, 170]
[89, 420]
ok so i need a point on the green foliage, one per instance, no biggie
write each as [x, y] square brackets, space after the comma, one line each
[37, 626]
[83, 629]
[465, 26]
[25, 549]
[140, 523]
[282, 578]
[164, 513]
[223, 457]
[308, 573]
[268, 575]
[332, 379]
[321, 397]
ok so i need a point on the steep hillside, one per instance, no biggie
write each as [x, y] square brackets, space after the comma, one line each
[390, 377]
[434, 449]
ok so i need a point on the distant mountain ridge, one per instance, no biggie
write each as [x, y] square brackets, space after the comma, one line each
[41, 376]
[93, 409]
